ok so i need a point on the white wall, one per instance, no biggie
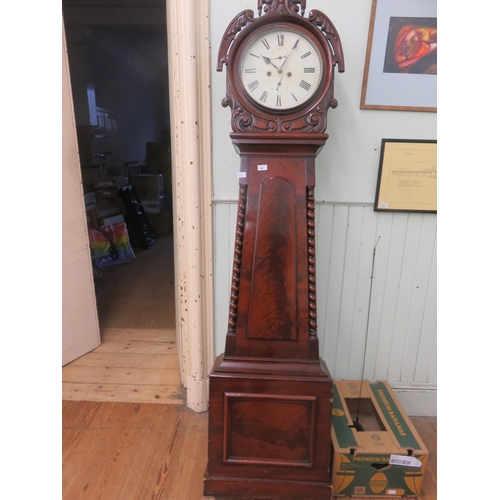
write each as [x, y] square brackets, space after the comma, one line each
[402, 333]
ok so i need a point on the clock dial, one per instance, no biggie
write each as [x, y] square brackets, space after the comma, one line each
[280, 69]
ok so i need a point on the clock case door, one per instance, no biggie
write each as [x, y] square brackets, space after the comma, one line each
[273, 293]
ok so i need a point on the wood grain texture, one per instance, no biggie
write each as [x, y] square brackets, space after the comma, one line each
[142, 452]
[131, 451]
[273, 302]
[267, 425]
[272, 309]
[269, 431]
[137, 360]
[127, 370]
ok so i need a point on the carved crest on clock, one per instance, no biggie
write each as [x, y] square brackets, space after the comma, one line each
[310, 115]
[281, 6]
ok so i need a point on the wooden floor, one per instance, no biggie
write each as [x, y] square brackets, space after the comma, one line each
[124, 451]
[137, 360]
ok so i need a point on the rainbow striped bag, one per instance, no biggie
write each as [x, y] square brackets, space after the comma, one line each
[110, 245]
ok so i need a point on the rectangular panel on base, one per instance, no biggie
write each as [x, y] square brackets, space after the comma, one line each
[256, 432]
[269, 430]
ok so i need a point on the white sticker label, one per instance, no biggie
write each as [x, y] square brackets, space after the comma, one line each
[241, 174]
[261, 167]
[405, 461]
[383, 204]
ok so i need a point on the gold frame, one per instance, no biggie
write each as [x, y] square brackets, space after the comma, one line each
[407, 177]
[366, 73]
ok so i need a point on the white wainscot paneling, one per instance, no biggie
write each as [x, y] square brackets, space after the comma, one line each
[396, 328]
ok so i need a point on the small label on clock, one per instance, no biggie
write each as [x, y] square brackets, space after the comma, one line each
[383, 204]
[241, 174]
[261, 167]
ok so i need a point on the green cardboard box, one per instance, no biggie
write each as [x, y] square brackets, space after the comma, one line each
[383, 455]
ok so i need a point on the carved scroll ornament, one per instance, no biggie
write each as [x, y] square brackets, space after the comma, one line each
[248, 118]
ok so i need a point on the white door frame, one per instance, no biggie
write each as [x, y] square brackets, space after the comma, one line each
[190, 118]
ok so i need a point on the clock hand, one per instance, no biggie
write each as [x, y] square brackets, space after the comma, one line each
[286, 59]
[279, 83]
[268, 61]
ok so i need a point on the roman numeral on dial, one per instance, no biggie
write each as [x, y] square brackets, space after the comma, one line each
[307, 54]
[278, 100]
[281, 40]
[266, 44]
[305, 85]
[309, 70]
[253, 85]
[263, 97]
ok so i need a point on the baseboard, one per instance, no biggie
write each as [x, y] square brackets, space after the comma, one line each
[197, 394]
[418, 400]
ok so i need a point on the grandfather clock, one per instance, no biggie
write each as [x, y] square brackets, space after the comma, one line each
[270, 393]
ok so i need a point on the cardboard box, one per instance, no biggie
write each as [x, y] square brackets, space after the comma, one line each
[153, 205]
[108, 207]
[92, 218]
[161, 223]
[118, 182]
[148, 185]
[106, 192]
[386, 458]
[89, 199]
[133, 168]
[93, 144]
[115, 219]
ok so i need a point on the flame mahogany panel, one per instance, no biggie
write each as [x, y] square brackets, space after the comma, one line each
[272, 315]
[273, 296]
[257, 434]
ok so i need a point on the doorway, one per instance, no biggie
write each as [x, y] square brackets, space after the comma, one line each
[118, 66]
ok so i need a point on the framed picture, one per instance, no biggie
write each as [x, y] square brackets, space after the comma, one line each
[407, 177]
[401, 56]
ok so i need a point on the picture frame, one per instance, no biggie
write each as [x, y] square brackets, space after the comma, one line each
[401, 56]
[407, 176]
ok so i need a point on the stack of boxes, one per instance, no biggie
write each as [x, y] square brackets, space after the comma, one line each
[149, 188]
[93, 145]
[156, 204]
[104, 205]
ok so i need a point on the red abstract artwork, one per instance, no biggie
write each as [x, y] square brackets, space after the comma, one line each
[411, 46]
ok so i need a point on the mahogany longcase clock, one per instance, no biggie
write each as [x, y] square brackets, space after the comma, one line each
[270, 393]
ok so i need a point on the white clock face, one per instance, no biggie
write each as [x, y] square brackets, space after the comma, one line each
[280, 69]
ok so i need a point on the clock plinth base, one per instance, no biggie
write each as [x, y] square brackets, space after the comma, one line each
[269, 429]
[256, 489]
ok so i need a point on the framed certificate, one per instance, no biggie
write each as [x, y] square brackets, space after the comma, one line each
[407, 177]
